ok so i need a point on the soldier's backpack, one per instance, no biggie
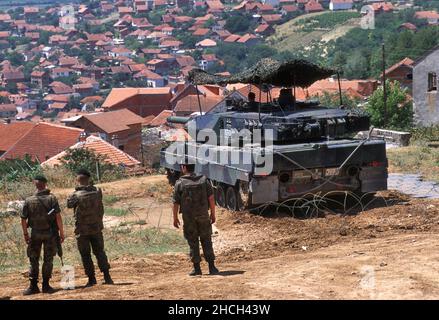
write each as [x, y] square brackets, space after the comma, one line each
[39, 206]
[194, 196]
[89, 209]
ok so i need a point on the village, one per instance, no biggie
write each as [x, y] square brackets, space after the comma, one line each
[95, 84]
[66, 80]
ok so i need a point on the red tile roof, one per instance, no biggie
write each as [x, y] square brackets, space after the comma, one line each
[11, 133]
[114, 121]
[43, 141]
[98, 146]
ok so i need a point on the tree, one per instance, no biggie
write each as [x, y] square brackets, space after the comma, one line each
[238, 23]
[399, 108]
[83, 158]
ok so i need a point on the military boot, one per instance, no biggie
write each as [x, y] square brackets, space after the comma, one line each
[107, 278]
[47, 288]
[91, 281]
[212, 268]
[196, 271]
[33, 288]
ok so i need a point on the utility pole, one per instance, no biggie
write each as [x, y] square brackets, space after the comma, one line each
[384, 85]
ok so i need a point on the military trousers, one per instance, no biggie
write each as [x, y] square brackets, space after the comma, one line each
[196, 230]
[39, 240]
[95, 242]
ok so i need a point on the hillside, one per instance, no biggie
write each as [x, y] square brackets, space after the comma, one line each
[300, 32]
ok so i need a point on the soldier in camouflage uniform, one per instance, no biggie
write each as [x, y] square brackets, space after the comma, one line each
[88, 208]
[41, 213]
[193, 196]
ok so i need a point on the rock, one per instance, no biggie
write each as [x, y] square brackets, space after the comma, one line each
[304, 248]
[383, 264]
[431, 207]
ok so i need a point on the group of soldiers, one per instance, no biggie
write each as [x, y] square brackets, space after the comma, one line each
[193, 197]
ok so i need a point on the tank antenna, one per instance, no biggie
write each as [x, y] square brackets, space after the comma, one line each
[339, 88]
[198, 98]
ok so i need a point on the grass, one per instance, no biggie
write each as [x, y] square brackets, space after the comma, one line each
[110, 199]
[119, 241]
[125, 241]
[304, 30]
[417, 159]
[116, 212]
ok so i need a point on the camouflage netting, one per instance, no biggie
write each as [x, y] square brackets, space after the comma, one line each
[292, 73]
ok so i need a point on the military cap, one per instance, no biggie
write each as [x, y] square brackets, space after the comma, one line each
[83, 172]
[40, 177]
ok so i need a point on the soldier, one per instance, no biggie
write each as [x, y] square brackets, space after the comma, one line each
[88, 208]
[193, 196]
[41, 213]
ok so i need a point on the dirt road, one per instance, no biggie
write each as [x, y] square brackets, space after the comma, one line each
[388, 251]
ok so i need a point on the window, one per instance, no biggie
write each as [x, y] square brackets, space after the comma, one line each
[432, 81]
[121, 147]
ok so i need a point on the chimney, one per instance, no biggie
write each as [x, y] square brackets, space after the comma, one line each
[82, 137]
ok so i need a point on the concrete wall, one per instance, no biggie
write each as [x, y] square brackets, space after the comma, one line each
[425, 104]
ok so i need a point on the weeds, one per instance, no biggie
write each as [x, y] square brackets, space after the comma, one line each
[116, 212]
[110, 199]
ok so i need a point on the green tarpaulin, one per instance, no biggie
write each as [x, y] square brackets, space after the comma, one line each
[292, 73]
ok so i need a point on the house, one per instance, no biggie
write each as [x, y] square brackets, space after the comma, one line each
[11, 132]
[206, 43]
[84, 89]
[61, 72]
[337, 5]
[402, 72]
[407, 26]
[110, 153]
[39, 78]
[158, 66]
[207, 61]
[432, 17]
[12, 77]
[42, 141]
[271, 18]
[142, 101]
[8, 110]
[313, 6]
[152, 79]
[121, 128]
[249, 40]
[193, 103]
[265, 30]
[425, 89]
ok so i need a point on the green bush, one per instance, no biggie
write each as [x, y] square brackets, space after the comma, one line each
[399, 108]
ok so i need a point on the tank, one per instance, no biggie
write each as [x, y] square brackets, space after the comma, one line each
[257, 153]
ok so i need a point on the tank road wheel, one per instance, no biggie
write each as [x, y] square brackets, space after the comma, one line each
[232, 199]
[220, 196]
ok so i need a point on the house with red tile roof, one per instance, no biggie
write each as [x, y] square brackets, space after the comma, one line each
[313, 6]
[152, 79]
[11, 133]
[121, 128]
[402, 72]
[432, 17]
[42, 141]
[111, 154]
[141, 101]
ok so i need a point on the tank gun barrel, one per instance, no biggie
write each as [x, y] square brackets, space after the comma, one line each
[177, 119]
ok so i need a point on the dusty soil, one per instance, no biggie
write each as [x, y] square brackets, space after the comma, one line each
[387, 251]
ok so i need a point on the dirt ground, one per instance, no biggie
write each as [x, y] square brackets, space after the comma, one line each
[388, 251]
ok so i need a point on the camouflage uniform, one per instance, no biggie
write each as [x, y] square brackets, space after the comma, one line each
[89, 211]
[35, 211]
[191, 192]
